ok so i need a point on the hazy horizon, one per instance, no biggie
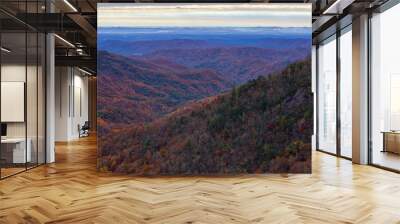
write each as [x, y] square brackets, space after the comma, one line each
[263, 32]
[203, 15]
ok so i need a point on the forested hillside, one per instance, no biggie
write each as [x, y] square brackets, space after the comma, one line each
[135, 90]
[264, 125]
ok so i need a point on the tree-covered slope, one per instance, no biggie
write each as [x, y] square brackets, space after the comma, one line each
[264, 125]
[134, 90]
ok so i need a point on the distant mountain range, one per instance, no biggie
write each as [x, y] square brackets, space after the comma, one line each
[129, 48]
[220, 34]
[261, 126]
[237, 64]
[237, 60]
[141, 47]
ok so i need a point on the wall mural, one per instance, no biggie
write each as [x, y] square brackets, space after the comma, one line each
[186, 89]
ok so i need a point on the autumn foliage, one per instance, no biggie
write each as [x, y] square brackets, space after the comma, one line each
[264, 125]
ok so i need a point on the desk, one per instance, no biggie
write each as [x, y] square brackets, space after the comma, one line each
[13, 150]
[391, 141]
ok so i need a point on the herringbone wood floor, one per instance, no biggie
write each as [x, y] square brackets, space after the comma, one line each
[71, 191]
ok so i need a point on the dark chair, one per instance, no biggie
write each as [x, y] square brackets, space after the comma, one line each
[84, 130]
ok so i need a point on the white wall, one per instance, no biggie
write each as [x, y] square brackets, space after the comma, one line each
[62, 82]
[71, 102]
[33, 127]
[12, 73]
[17, 73]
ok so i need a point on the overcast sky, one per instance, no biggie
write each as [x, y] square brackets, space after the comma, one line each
[203, 15]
